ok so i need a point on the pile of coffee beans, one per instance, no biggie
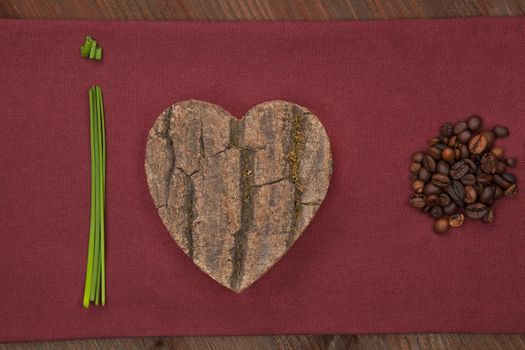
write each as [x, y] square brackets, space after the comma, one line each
[462, 173]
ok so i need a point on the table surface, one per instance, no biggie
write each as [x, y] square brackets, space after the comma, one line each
[270, 10]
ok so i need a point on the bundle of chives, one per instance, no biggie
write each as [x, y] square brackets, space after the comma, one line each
[95, 286]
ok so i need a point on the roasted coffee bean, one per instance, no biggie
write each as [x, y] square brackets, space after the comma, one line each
[433, 200]
[448, 154]
[444, 140]
[488, 163]
[441, 225]
[472, 167]
[417, 157]
[433, 141]
[436, 212]
[465, 153]
[470, 195]
[479, 188]
[484, 179]
[434, 152]
[445, 199]
[509, 177]
[465, 136]
[477, 144]
[424, 175]
[459, 128]
[468, 179]
[446, 130]
[476, 210]
[489, 217]
[500, 181]
[430, 188]
[511, 190]
[456, 220]
[457, 153]
[414, 167]
[429, 163]
[456, 191]
[487, 196]
[489, 135]
[501, 131]
[497, 151]
[440, 180]
[474, 123]
[443, 167]
[450, 209]
[498, 193]
[417, 200]
[511, 162]
[418, 186]
[440, 146]
[452, 141]
[501, 167]
[459, 169]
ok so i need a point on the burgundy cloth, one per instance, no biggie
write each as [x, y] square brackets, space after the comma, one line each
[367, 263]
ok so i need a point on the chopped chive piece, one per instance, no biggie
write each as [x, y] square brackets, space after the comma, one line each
[98, 54]
[86, 48]
[93, 50]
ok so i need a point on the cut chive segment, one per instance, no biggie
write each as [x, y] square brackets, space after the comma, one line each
[95, 284]
[90, 49]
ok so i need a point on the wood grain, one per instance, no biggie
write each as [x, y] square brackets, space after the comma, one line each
[270, 10]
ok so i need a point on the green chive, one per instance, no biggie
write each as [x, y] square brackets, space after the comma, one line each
[103, 196]
[86, 48]
[98, 54]
[93, 50]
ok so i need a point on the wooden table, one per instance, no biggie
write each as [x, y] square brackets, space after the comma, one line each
[271, 10]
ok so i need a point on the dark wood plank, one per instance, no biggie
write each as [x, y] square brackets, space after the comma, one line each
[270, 10]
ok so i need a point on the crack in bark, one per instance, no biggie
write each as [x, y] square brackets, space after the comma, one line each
[246, 186]
[167, 120]
[270, 182]
[201, 140]
[294, 157]
[190, 216]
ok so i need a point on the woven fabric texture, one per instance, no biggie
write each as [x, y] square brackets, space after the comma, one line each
[367, 263]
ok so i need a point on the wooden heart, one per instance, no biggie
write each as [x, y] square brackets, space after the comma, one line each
[236, 194]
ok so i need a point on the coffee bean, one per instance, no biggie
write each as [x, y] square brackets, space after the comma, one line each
[498, 192]
[434, 152]
[487, 196]
[440, 146]
[417, 157]
[440, 180]
[456, 220]
[489, 217]
[484, 179]
[450, 209]
[445, 130]
[497, 151]
[424, 175]
[459, 128]
[432, 200]
[456, 191]
[500, 181]
[479, 188]
[459, 169]
[417, 200]
[445, 199]
[418, 186]
[509, 177]
[429, 163]
[501, 167]
[436, 212]
[430, 188]
[488, 163]
[470, 195]
[448, 154]
[512, 190]
[489, 135]
[472, 167]
[457, 153]
[433, 141]
[414, 167]
[444, 140]
[474, 123]
[468, 179]
[511, 162]
[452, 141]
[465, 153]
[443, 167]
[476, 210]
[477, 144]
[441, 225]
[465, 136]
[501, 131]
